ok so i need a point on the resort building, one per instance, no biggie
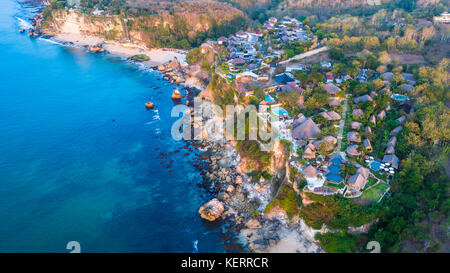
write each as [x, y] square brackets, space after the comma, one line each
[284, 78]
[362, 99]
[330, 139]
[443, 19]
[357, 113]
[352, 150]
[353, 137]
[242, 34]
[334, 101]
[305, 129]
[359, 180]
[246, 76]
[390, 147]
[392, 160]
[310, 152]
[330, 115]
[367, 145]
[396, 130]
[356, 125]
[381, 115]
[401, 119]
[407, 87]
[313, 177]
[331, 88]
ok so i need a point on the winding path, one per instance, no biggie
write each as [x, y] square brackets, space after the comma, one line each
[342, 124]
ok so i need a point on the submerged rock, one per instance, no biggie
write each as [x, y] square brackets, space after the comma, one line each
[95, 49]
[176, 95]
[211, 210]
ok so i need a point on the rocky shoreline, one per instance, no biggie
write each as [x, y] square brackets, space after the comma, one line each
[237, 203]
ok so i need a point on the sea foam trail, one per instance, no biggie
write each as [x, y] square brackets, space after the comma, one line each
[23, 23]
[56, 42]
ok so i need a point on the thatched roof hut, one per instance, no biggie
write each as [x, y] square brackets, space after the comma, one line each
[306, 129]
[352, 150]
[310, 171]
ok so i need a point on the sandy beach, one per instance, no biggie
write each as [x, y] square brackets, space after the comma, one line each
[157, 56]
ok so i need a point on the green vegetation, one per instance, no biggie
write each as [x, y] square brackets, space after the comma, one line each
[371, 181]
[286, 199]
[340, 242]
[251, 150]
[336, 212]
[140, 58]
[375, 193]
[256, 175]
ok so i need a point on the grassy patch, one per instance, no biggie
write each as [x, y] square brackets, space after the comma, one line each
[372, 181]
[375, 193]
[334, 185]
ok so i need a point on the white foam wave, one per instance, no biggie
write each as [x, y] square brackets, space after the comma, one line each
[51, 41]
[195, 245]
[150, 122]
[56, 42]
[23, 23]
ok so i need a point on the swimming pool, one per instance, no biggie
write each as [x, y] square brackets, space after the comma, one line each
[334, 177]
[269, 99]
[375, 165]
[334, 169]
[399, 97]
[280, 111]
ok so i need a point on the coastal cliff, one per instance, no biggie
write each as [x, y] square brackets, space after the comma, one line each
[181, 25]
[74, 22]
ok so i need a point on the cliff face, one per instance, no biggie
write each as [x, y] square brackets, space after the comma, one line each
[278, 167]
[179, 25]
[79, 23]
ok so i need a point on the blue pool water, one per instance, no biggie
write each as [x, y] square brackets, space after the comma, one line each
[334, 169]
[334, 177]
[375, 165]
[280, 111]
[400, 97]
[269, 99]
[80, 155]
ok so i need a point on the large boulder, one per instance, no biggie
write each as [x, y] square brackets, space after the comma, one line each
[176, 95]
[253, 223]
[230, 189]
[211, 210]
